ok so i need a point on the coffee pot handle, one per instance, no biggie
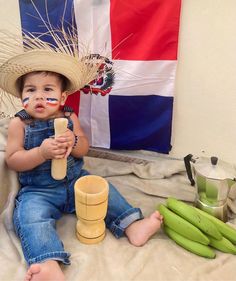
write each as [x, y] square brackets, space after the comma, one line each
[187, 160]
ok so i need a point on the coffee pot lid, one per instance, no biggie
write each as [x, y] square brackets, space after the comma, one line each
[214, 168]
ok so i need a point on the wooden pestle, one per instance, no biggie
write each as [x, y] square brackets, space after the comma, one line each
[59, 166]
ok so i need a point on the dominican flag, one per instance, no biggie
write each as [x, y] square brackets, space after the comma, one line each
[141, 38]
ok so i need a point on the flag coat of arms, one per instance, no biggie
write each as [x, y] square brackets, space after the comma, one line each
[132, 108]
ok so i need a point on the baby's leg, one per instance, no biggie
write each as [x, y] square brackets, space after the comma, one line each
[44, 211]
[140, 231]
[49, 271]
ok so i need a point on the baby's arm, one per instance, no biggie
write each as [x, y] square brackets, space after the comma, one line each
[18, 158]
[82, 146]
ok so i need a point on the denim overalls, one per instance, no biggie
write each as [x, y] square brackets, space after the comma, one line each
[42, 200]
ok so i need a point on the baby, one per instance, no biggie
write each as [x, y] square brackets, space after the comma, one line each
[42, 200]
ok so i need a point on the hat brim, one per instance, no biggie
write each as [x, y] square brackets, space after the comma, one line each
[74, 69]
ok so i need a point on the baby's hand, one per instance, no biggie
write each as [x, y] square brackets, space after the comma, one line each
[66, 141]
[51, 150]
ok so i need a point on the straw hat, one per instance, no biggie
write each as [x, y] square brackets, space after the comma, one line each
[19, 56]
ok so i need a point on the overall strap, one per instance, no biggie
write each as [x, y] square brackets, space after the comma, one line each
[23, 115]
[67, 110]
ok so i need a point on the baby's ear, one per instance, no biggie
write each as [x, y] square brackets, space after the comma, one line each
[64, 96]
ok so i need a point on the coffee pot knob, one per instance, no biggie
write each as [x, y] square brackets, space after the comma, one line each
[214, 160]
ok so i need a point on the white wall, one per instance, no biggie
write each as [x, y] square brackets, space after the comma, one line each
[9, 15]
[205, 99]
[10, 20]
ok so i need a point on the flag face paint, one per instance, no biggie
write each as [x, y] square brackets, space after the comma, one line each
[141, 39]
[52, 101]
[25, 102]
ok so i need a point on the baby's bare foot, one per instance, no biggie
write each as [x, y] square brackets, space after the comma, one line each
[47, 271]
[140, 231]
[34, 269]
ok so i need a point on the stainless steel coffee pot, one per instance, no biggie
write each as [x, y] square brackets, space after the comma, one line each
[213, 179]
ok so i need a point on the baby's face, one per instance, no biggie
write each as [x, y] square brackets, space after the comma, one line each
[42, 95]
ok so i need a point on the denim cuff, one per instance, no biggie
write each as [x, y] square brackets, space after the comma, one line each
[58, 256]
[123, 221]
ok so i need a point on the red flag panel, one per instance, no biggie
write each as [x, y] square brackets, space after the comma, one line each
[144, 30]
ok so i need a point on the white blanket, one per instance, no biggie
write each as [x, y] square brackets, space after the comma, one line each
[145, 184]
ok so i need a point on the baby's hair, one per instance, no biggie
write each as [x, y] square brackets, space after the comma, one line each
[64, 81]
